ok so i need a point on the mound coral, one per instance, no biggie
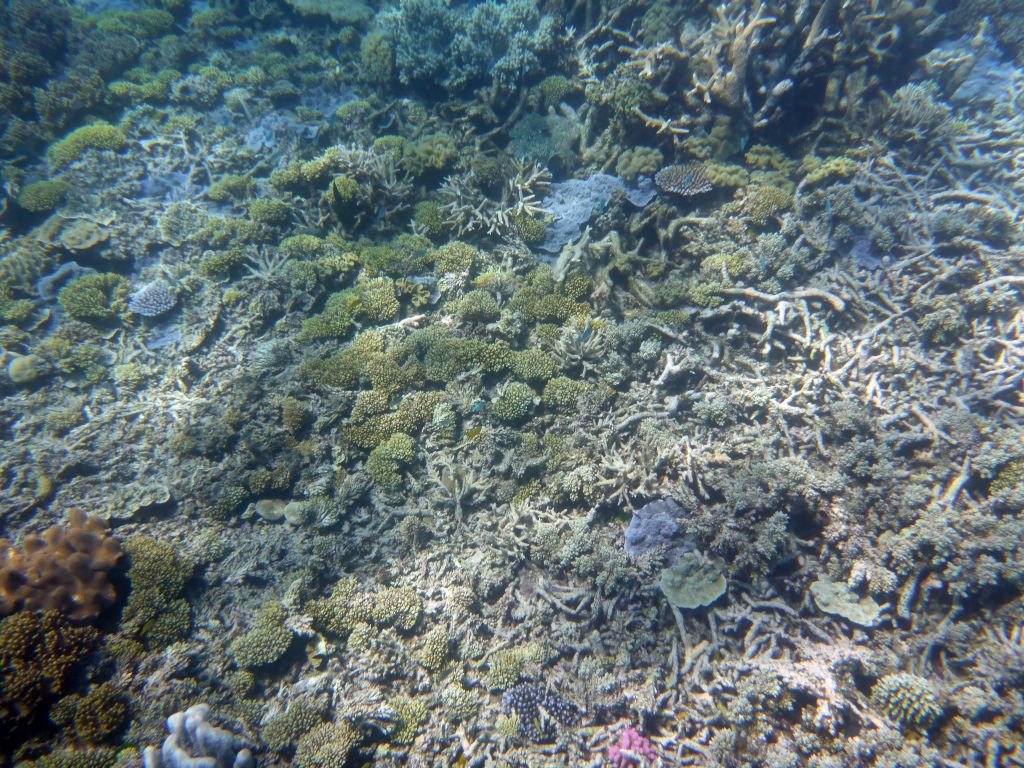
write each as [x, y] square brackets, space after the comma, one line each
[64, 569]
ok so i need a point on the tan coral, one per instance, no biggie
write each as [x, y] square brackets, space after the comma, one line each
[63, 569]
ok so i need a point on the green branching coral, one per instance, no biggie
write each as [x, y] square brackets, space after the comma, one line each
[1010, 479]
[561, 393]
[514, 403]
[75, 758]
[156, 613]
[42, 196]
[410, 715]
[505, 668]
[386, 460]
[38, 653]
[398, 607]
[94, 717]
[269, 212]
[285, 731]
[99, 135]
[907, 700]
[533, 365]
[460, 704]
[430, 154]
[328, 745]
[478, 306]
[266, 642]
[95, 297]
[429, 219]
[455, 256]
[433, 651]
[377, 300]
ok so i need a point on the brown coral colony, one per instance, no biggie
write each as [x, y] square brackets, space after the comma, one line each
[64, 569]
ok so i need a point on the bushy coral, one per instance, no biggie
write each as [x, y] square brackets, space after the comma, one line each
[328, 745]
[42, 196]
[156, 613]
[398, 607]
[514, 403]
[94, 717]
[266, 642]
[96, 136]
[96, 297]
[408, 717]
[284, 731]
[386, 460]
[478, 306]
[38, 653]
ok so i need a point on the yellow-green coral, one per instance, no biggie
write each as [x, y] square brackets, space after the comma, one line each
[267, 640]
[533, 365]
[385, 461]
[42, 196]
[1010, 478]
[409, 716]
[99, 135]
[342, 610]
[455, 256]
[328, 745]
[398, 607]
[763, 203]
[433, 652]
[155, 612]
[95, 297]
[817, 170]
[505, 668]
[514, 403]
[460, 704]
[94, 717]
[562, 393]
[478, 306]
[726, 174]
[287, 729]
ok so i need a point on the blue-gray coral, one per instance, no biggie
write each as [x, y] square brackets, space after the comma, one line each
[571, 204]
[459, 46]
[153, 299]
[540, 711]
[193, 742]
[656, 527]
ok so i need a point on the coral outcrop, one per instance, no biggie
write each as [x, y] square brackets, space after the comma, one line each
[64, 569]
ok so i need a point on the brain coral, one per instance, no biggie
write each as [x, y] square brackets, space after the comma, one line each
[64, 569]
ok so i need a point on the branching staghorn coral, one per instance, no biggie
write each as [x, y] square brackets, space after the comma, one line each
[469, 209]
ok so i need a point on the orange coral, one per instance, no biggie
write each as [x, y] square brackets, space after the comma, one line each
[64, 569]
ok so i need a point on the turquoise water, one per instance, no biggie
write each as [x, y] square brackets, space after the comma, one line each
[502, 383]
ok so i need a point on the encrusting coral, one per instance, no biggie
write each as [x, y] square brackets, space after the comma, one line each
[63, 569]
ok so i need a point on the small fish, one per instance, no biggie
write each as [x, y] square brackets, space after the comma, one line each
[586, 333]
[478, 406]
[474, 432]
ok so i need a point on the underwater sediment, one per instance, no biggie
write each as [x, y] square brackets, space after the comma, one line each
[411, 382]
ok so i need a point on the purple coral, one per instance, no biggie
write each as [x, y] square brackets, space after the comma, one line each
[153, 299]
[632, 750]
[540, 711]
[656, 527]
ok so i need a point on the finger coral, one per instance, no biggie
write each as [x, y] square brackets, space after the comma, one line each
[64, 569]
